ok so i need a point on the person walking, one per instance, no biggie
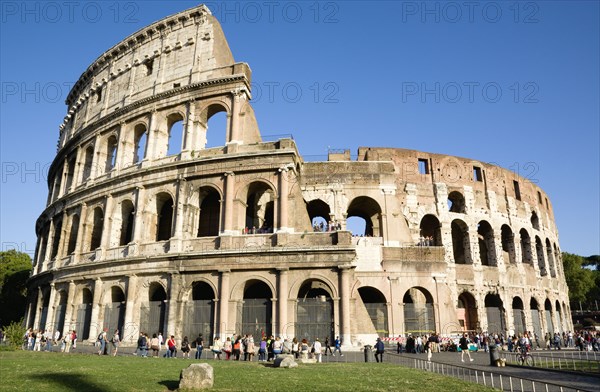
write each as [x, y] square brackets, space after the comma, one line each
[115, 342]
[379, 349]
[199, 346]
[338, 346]
[185, 347]
[317, 349]
[464, 347]
[328, 346]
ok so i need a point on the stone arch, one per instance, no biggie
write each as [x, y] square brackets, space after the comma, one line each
[368, 209]
[375, 303]
[461, 246]
[294, 290]
[73, 231]
[175, 133]
[557, 259]
[539, 249]
[316, 209]
[519, 315]
[60, 310]
[58, 223]
[418, 311]
[216, 120]
[209, 215]
[153, 312]
[110, 151]
[487, 247]
[535, 221]
[456, 202]
[494, 308]
[97, 225]
[525, 241]
[127, 217]
[314, 310]
[114, 309]
[508, 245]
[84, 312]
[200, 310]
[559, 316]
[140, 142]
[466, 311]
[88, 162]
[255, 311]
[164, 216]
[430, 227]
[535, 316]
[260, 207]
[45, 306]
[550, 256]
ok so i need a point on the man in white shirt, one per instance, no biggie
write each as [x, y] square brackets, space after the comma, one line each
[317, 348]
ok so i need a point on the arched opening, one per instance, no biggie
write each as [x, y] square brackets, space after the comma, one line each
[519, 315]
[418, 311]
[152, 314]
[164, 218]
[56, 239]
[557, 259]
[88, 162]
[216, 130]
[84, 314]
[175, 126]
[559, 317]
[127, 216]
[318, 213]
[376, 305]
[535, 317]
[96, 234]
[44, 312]
[210, 212]
[60, 311]
[314, 311]
[466, 312]
[140, 138]
[200, 312]
[508, 245]
[548, 312]
[111, 153]
[114, 311]
[539, 249]
[357, 226]
[550, 258]
[260, 208]
[460, 242]
[487, 248]
[73, 234]
[368, 209]
[525, 247]
[456, 202]
[431, 230]
[70, 173]
[57, 183]
[535, 221]
[495, 314]
[255, 311]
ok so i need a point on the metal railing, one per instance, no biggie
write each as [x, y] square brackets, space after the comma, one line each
[560, 362]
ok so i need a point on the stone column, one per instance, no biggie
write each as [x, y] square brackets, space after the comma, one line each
[38, 308]
[283, 199]
[50, 315]
[62, 239]
[224, 302]
[229, 193]
[138, 222]
[80, 232]
[171, 311]
[282, 302]
[336, 315]
[79, 164]
[95, 323]
[234, 134]
[345, 303]
[176, 241]
[131, 329]
[69, 322]
[106, 225]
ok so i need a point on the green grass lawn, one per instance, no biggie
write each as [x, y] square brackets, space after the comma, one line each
[39, 371]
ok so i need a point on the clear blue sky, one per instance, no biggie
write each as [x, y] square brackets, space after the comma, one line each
[517, 84]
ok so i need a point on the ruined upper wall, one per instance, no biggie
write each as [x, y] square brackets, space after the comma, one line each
[182, 49]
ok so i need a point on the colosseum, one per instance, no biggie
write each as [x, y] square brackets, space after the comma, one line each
[144, 234]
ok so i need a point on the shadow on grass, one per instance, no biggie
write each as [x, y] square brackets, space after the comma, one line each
[171, 385]
[70, 382]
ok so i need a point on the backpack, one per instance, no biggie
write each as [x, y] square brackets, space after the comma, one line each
[184, 344]
[236, 346]
[100, 337]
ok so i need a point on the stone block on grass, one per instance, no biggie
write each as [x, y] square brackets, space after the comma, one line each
[285, 361]
[196, 376]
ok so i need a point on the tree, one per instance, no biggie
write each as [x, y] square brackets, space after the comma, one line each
[581, 281]
[15, 268]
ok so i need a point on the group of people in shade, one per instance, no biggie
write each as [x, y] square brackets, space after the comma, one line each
[46, 340]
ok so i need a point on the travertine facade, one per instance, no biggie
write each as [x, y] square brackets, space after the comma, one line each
[221, 240]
